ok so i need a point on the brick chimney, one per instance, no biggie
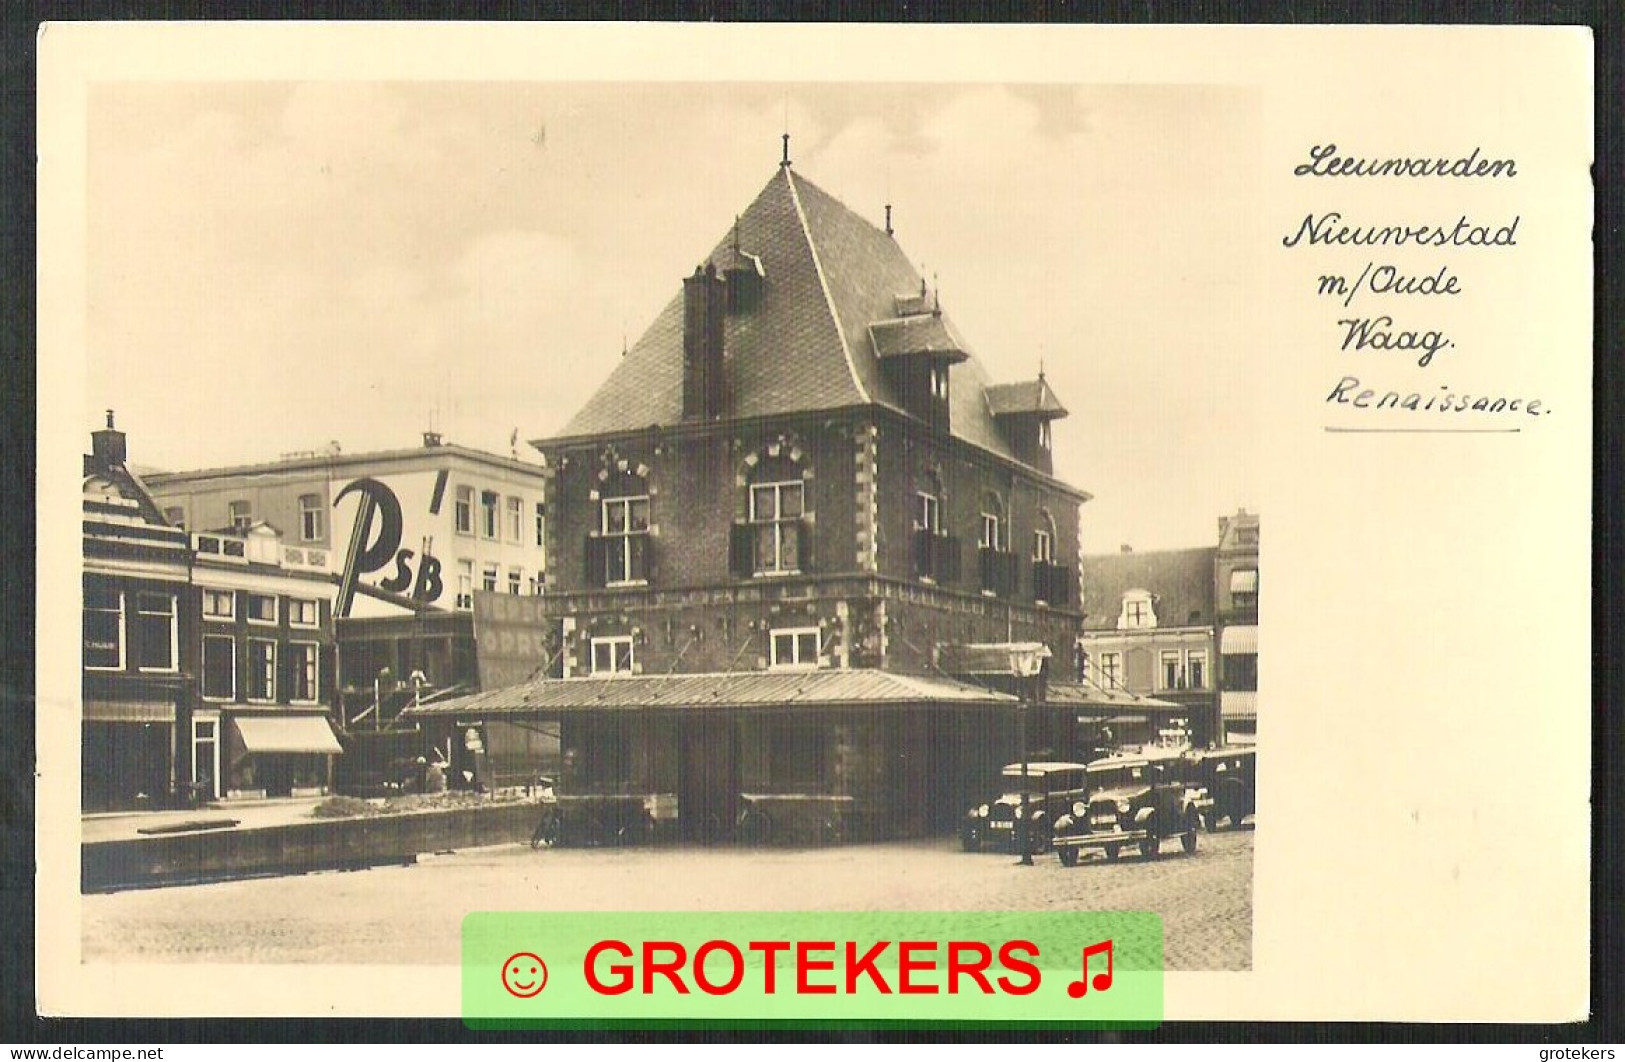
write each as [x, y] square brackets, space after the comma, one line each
[106, 447]
[705, 307]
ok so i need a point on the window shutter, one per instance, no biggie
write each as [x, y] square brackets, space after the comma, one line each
[595, 561]
[740, 560]
[804, 544]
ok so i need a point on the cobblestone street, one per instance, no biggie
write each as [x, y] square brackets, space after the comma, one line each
[414, 914]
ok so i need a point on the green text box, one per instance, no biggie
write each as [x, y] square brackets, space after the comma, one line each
[834, 968]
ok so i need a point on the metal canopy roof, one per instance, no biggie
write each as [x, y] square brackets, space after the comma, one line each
[834, 687]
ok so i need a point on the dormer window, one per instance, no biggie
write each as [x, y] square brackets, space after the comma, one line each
[1045, 442]
[939, 381]
[1138, 611]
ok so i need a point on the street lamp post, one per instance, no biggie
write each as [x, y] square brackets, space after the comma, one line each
[1026, 661]
[378, 698]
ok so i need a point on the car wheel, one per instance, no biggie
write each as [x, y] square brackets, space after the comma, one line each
[1069, 856]
[1211, 821]
[1188, 840]
[1150, 848]
[970, 841]
[1038, 839]
[1111, 853]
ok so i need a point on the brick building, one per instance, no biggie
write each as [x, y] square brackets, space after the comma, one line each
[793, 495]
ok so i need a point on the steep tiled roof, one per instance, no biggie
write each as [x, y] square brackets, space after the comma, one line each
[829, 275]
[1180, 579]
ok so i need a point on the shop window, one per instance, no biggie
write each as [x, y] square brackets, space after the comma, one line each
[463, 508]
[612, 656]
[242, 515]
[261, 670]
[206, 755]
[104, 630]
[219, 667]
[262, 608]
[305, 672]
[156, 644]
[312, 518]
[795, 647]
[219, 604]
[301, 613]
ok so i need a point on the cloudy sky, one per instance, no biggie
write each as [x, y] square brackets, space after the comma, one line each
[276, 266]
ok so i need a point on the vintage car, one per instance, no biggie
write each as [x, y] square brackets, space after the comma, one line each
[1052, 788]
[1136, 799]
[1230, 777]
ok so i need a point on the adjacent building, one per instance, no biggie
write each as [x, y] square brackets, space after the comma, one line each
[768, 530]
[397, 543]
[138, 647]
[1235, 591]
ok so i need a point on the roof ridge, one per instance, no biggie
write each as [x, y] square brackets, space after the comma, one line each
[823, 284]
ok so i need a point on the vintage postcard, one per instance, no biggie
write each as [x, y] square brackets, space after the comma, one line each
[983, 473]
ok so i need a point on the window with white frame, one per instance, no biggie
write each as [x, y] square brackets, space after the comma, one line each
[516, 580]
[939, 381]
[489, 500]
[624, 524]
[242, 515]
[262, 608]
[302, 613]
[219, 667]
[158, 641]
[1111, 666]
[104, 630]
[1171, 677]
[312, 518]
[1196, 669]
[516, 519]
[1139, 611]
[1043, 545]
[465, 584]
[992, 536]
[305, 672]
[927, 512]
[541, 523]
[794, 647]
[463, 510]
[536, 583]
[1044, 438]
[776, 510]
[219, 604]
[261, 670]
[488, 577]
[612, 656]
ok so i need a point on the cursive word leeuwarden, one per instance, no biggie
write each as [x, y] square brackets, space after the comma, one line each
[1324, 161]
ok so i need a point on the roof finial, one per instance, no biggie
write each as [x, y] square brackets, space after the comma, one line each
[785, 161]
[1040, 368]
[888, 219]
[110, 418]
[936, 296]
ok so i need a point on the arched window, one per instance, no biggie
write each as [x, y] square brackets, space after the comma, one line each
[994, 531]
[1044, 538]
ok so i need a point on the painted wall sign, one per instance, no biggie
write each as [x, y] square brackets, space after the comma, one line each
[376, 533]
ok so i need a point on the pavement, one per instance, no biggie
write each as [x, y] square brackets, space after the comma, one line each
[250, 814]
[413, 915]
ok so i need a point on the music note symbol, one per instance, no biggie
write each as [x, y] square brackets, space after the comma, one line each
[1103, 981]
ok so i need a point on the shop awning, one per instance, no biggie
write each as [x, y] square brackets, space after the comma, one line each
[129, 712]
[1239, 640]
[1239, 704]
[290, 733]
[1244, 581]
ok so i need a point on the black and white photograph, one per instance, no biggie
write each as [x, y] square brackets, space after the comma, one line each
[760, 480]
[613, 486]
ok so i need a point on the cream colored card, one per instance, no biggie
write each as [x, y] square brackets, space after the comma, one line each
[1192, 228]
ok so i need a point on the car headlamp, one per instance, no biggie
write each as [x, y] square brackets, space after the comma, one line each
[981, 812]
[1079, 808]
[1122, 807]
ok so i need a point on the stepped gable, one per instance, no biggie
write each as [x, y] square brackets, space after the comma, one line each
[828, 275]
